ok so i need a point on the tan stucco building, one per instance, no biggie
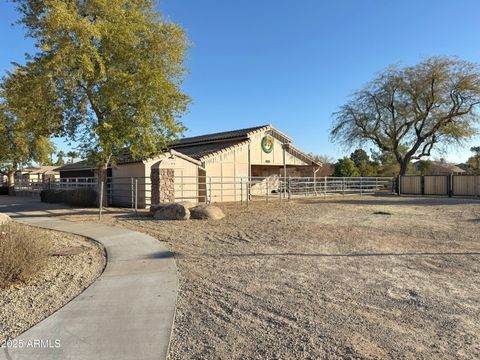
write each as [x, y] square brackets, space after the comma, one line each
[210, 167]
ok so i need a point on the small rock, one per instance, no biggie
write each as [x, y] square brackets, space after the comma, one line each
[4, 218]
[205, 212]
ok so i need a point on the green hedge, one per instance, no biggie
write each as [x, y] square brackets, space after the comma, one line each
[3, 190]
[77, 197]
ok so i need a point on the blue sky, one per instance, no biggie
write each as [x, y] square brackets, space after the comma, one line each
[293, 63]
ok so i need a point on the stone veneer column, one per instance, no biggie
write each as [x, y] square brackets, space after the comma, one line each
[167, 185]
[155, 183]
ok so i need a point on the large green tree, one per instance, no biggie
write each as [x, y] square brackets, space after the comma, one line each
[25, 123]
[474, 161]
[116, 69]
[413, 108]
[359, 156]
[345, 167]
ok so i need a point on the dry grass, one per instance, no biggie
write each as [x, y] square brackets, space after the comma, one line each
[22, 255]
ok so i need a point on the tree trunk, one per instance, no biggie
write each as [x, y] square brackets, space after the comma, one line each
[11, 183]
[103, 177]
[404, 167]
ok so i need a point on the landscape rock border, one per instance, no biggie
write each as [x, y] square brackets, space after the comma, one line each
[185, 210]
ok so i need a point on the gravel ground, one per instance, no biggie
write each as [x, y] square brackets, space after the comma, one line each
[371, 277]
[74, 264]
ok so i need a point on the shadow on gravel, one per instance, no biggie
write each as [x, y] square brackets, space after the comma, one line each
[359, 254]
[159, 255]
[395, 201]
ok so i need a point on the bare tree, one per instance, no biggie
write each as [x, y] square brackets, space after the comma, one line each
[408, 111]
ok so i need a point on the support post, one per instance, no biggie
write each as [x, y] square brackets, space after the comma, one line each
[284, 168]
[210, 189]
[241, 190]
[132, 193]
[450, 185]
[289, 189]
[268, 180]
[100, 204]
[136, 196]
[325, 187]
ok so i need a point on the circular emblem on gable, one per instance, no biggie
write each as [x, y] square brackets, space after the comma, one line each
[267, 144]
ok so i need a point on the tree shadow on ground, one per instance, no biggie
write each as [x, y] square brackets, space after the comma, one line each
[392, 200]
[406, 254]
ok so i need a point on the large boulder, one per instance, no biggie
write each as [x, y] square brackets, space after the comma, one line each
[170, 211]
[155, 207]
[4, 218]
[206, 212]
[187, 204]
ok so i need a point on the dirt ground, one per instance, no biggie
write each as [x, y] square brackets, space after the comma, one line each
[370, 277]
[74, 264]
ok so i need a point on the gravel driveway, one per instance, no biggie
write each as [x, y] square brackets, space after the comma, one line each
[370, 277]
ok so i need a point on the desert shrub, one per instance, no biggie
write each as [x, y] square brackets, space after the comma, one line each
[77, 197]
[51, 196]
[23, 253]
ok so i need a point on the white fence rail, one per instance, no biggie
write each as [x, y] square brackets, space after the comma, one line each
[138, 192]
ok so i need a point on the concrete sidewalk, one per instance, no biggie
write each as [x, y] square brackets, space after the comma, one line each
[126, 314]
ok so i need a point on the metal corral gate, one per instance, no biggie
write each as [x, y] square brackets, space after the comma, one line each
[136, 192]
[446, 185]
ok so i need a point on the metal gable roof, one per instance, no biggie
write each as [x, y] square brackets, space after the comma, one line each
[202, 146]
[225, 135]
[199, 151]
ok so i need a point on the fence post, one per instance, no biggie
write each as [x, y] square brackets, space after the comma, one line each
[247, 190]
[361, 186]
[100, 205]
[110, 191]
[343, 186]
[221, 187]
[289, 188]
[476, 179]
[268, 180]
[324, 187]
[241, 190]
[476, 185]
[136, 196]
[132, 193]
[399, 184]
[450, 185]
[210, 189]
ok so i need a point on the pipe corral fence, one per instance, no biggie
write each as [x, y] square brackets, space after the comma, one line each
[139, 192]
